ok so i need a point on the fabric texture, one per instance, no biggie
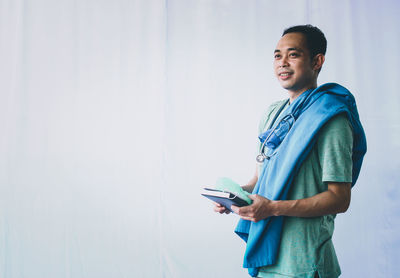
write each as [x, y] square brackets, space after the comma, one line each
[306, 246]
[298, 127]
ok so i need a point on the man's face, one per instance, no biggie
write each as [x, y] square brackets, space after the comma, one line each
[292, 64]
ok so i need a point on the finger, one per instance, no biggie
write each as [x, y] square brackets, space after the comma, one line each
[235, 209]
[244, 210]
[248, 218]
[219, 209]
[252, 196]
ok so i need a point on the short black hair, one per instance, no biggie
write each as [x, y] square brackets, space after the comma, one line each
[316, 41]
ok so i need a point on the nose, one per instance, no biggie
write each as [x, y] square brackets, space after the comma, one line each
[283, 61]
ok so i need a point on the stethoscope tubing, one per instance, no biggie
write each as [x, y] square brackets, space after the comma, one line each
[262, 156]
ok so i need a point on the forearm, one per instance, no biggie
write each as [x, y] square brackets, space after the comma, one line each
[252, 182]
[335, 200]
[250, 185]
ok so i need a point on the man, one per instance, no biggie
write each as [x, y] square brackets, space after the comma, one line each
[316, 145]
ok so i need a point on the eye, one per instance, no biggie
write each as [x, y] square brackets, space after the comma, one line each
[294, 54]
[277, 56]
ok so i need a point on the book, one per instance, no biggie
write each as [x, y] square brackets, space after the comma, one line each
[224, 198]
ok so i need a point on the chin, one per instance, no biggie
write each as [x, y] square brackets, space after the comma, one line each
[286, 86]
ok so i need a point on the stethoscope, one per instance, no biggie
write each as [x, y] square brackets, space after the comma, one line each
[261, 157]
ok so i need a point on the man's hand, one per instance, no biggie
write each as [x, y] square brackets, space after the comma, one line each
[221, 209]
[332, 201]
[261, 208]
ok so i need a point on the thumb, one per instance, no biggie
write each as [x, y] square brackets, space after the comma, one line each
[252, 196]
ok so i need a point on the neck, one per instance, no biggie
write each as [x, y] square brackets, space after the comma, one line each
[295, 94]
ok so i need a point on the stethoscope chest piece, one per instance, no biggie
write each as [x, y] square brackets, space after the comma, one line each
[261, 158]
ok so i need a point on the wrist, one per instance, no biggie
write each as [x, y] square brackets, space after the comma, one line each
[248, 188]
[277, 208]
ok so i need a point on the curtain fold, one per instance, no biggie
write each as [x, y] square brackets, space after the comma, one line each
[113, 115]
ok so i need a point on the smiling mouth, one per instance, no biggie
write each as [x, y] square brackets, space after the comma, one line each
[285, 75]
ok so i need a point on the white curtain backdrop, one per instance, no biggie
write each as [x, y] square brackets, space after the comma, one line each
[113, 115]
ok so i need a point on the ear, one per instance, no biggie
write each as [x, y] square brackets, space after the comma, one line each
[318, 61]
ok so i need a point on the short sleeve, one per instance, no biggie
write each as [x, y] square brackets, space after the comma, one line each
[335, 146]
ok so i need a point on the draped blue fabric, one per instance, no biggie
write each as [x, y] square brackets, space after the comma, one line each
[294, 134]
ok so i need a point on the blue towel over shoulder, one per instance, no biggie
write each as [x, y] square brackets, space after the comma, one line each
[297, 135]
